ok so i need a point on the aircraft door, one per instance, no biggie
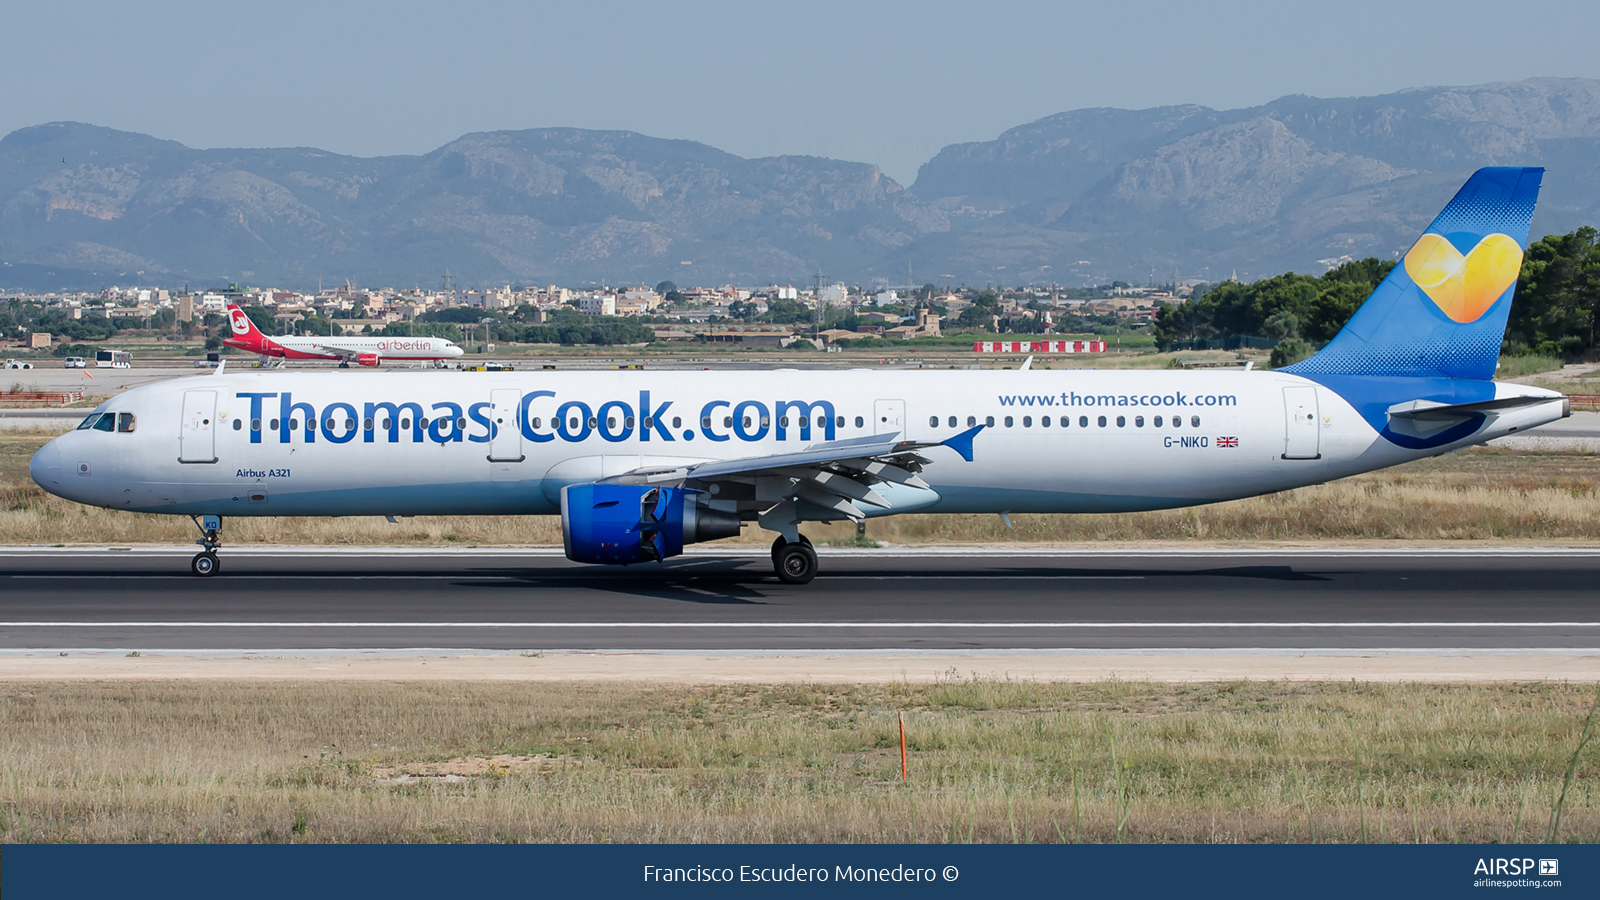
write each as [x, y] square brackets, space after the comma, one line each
[505, 438]
[888, 416]
[1302, 436]
[197, 442]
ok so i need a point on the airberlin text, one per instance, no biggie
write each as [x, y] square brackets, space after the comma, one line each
[541, 416]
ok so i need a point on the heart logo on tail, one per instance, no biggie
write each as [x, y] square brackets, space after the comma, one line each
[1464, 287]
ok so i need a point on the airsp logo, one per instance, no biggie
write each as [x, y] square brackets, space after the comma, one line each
[239, 322]
[1503, 866]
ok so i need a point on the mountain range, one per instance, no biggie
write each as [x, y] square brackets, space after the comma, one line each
[1086, 196]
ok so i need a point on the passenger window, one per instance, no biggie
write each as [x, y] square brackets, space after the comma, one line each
[677, 422]
[766, 421]
[1122, 421]
[294, 424]
[727, 422]
[859, 422]
[705, 421]
[1008, 421]
[125, 423]
[1177, 421]
[1065, 421]
[404, 423]
[783, 421]
[745, 422]
[627, 422]
[366, 424]
[255, 424]
[1027, 421]
[107, 422]
[1083, 422]
[972, 421]
[387, 424]
[535, 422]
[1044, 421]
[461, 422]
[238, 425]
[839, 423]
[1194, 421]
[593, 421]
[989, 421]
[1102, 421]
[822, 421]
[1138, 421]
[933, 421]
[1156, 421]
[611, 422]
[422, 422]
[952, 421]
[349, 424]
[274, 424]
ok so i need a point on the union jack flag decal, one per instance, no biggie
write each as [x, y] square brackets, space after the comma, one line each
[1227, 442]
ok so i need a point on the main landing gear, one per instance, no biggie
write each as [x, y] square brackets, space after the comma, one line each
[205, 563]
[794, 561]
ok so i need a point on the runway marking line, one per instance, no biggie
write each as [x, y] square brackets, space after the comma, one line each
[745, 625]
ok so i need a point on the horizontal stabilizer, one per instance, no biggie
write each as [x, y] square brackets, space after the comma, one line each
[1427, 410]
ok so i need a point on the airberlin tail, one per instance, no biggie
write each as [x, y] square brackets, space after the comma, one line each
[246, 336]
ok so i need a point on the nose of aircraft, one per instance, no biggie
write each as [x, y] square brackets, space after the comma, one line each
[45, 467]
[456, 351]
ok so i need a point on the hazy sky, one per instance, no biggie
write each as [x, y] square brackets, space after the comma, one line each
[888, 83]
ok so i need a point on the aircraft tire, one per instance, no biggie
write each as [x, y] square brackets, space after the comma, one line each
[797, 563]
[205, 564]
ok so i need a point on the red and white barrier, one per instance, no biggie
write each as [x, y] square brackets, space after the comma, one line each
[1039, 347]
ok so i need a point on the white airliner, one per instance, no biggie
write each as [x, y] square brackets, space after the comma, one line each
[363, 351]
[638, 464]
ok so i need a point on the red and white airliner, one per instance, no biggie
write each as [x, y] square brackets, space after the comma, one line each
[363, 351]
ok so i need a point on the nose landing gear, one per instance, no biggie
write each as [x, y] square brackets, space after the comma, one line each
[205, 563]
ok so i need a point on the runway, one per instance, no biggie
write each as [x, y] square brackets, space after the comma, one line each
[942, 599]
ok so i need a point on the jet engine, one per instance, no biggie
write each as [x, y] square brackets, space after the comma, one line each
[367, 359]
[630, 523]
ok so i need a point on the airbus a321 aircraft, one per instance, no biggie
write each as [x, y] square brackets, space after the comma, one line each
[639, 464]
[363, 351]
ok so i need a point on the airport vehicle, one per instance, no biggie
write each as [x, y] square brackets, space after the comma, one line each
[363, 351]
[212, 360]
[74, 362]
[639, 464]
[113, 359]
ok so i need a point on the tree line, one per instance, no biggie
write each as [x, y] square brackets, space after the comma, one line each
[1556, 312]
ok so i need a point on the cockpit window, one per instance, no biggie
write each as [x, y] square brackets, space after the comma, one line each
[125, 422]
[108, 422]
[88, 421]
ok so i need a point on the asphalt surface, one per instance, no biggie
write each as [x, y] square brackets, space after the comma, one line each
[319, 598]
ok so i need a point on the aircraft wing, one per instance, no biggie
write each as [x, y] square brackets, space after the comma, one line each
[831, 475]
[341, 352]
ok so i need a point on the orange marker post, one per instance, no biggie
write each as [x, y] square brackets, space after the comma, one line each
[904, 774]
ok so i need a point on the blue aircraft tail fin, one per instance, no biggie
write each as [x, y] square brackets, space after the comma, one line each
[1442, 312]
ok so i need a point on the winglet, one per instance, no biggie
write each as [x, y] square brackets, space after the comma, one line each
[221, 364]
[962, 443]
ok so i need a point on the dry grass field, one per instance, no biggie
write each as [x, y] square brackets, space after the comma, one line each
[990, 761]
[1480, 494]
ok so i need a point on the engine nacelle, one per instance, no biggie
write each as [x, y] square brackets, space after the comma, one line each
[367, 359]
[630, 523]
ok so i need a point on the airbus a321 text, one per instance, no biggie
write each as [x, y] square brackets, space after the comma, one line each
[640, 464]
[363, 351]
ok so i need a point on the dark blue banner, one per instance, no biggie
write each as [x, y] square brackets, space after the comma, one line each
[53, 872]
